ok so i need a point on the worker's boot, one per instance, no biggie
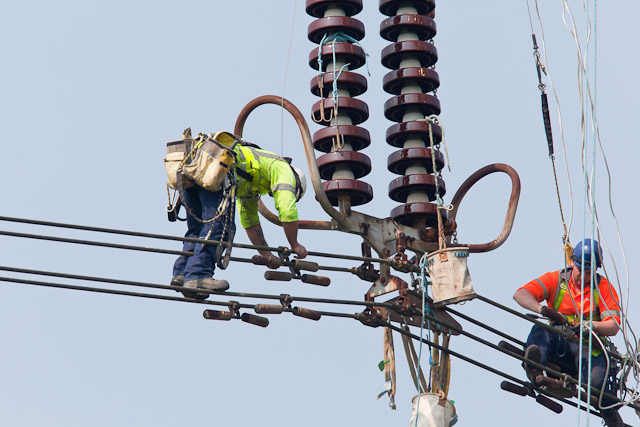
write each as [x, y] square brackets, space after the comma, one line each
[177, 280]
[208, 283]
[534, 354]
[611, 418]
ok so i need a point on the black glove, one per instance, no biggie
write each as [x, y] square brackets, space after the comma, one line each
[585, 329]
[553, 315]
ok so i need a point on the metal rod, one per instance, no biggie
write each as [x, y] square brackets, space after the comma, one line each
[529, 319]
[456, 354]
[251, 306]
[143, 248]
[179, 288]
[517, 313]
[286, 264]
[177, 238]
[93, 243]
[485, 326]
[114, 292]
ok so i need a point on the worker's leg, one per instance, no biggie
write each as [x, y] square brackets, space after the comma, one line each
[546, 341]
[599, 375]
[193, 229]
[599, 372]
[202, 263]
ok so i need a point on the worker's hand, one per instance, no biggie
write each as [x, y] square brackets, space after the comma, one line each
[553, 315]
[585, 329]
[300, 251]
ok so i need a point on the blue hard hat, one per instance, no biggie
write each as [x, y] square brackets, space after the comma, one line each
[586, 249]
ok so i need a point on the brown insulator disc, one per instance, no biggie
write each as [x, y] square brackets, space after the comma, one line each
[360, 192]
[358, 163]
[400, 187]
[409, 212]
[396, 107]
[424, 51]
[357, 110]
[357, 137]
[317, 8]
[399, 160]
[355, 83]
[424, 27]
[347, 52]
[398, 133]
[426, 78]
[390, 7]
[334, 24]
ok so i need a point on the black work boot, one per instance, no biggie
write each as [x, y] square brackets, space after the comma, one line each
[534, 354]
[611, 418]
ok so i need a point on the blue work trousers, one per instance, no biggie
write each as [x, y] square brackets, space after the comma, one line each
[204, 204]
[553, 345]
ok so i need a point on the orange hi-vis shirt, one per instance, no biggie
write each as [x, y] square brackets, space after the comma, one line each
[545, 287]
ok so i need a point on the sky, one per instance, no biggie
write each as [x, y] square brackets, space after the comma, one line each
[90, 92]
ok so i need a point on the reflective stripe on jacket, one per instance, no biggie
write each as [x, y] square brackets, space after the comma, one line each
[272, 175]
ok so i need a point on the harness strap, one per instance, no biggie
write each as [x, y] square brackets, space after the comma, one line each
[243, 174]
[560, 291]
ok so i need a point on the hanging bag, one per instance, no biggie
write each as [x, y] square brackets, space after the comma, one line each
[210, 160]
[177, 153]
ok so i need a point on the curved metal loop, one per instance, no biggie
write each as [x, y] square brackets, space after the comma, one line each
[223, 254]
[511, 209]
[321, 196]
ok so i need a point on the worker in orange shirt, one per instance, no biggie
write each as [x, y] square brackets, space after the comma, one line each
[568, 294]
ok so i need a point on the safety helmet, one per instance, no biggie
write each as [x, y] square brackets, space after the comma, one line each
[301, 182]
[587, 249]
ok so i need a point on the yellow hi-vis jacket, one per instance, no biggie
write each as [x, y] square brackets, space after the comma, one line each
[271, 175]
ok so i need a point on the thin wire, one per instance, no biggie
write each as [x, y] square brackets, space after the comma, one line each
[559, 112]
[284, 83]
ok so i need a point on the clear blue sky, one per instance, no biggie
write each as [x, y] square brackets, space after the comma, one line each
[90, 92]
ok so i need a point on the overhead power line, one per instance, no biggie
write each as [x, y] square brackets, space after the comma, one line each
[358, 316]
[162, 237]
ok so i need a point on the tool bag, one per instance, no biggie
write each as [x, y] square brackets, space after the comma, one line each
[205, 160]
[210, 160]
[177, 152]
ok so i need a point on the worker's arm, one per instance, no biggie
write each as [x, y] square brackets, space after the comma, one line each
[257, 238]
[291, 231]
[607, 327]
[527, 300]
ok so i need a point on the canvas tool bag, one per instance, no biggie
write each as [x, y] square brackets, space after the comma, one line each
[210, 160]
[204, 160]
[177, 152]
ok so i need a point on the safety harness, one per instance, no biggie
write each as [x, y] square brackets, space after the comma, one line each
[563, 288]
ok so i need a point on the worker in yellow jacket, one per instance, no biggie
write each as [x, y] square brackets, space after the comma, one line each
[262, 172]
